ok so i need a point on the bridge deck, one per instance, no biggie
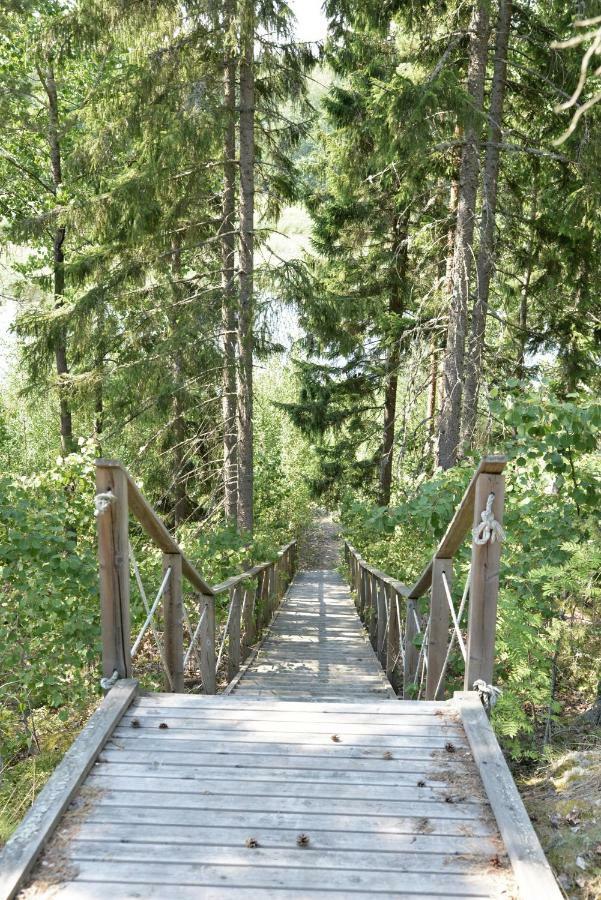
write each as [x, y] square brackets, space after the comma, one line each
[316, 648]
[249, 795]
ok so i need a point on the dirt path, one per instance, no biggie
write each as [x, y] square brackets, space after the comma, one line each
[320, 546]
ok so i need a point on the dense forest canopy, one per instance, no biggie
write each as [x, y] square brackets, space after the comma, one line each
[436, 168]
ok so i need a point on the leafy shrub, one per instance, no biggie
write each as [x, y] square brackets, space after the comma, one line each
[551, 561]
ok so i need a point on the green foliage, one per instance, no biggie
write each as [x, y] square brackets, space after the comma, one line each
[551, 562]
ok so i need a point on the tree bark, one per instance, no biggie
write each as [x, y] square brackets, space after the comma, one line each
[228, 277]
[58, 260]
[246, 306]
[99, 376]
[486, 252]
[454, 360]
[182, 508]
[436, 343]
[531, 253]
[395, 308]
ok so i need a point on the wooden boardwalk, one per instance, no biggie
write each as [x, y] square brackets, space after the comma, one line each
[308, 780]
[317, 648]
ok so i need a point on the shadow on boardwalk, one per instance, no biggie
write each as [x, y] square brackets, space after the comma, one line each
[320, 546]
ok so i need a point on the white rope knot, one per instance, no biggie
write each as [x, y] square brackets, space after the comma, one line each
[107, 683]
[489, 694]
[102, 502]
[488, 529]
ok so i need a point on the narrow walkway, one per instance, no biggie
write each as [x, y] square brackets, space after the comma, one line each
[309, 782]
[317, 648]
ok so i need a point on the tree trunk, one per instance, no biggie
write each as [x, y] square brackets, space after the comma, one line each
[486, 252]
[436, 343]
[99, 376]
[228, 278]
[182, 508]
[531, 254]
[395, 308]
[58, 261]
[246, 310]
[454, 361]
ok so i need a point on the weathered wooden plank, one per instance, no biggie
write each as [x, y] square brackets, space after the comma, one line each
[173, 617]
[258, 738]
[484, 588]
[438, 633]
[113, 561]
[88, 890]
[399, 707]
[207, 646]
[272, 877]
[120, 792]
[302, 725]
[313, 856]
[23, 847]
[305, 822]
[352, 760]
[419, 845]
[531, 869]
[117, 762]
[234, 632]
[291, 748]
[157, 782]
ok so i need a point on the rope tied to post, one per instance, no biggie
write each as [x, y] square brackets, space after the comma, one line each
[102, 502]
[488, 693]
[107, 683]
[488, 529]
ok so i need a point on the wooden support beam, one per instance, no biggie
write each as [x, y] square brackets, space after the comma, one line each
[411, 651]
[207, 645]
[173, 617]
[248, 617]
[392, 637]
[25, 844]
[233, 655]
[533, 875]
[373, 611]
[484, 587]
[152, 524]
[113, 558]
[460, 523]
[381, 607]
[438, 634]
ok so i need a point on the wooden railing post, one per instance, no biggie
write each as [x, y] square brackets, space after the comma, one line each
[484, 587]
[233, 656]
[438, 633]
[381, 606]
[207, 645]
[373, 610]
[248, 618]
[411, 651]
[173, 617]
[113, 557]
[393, 637]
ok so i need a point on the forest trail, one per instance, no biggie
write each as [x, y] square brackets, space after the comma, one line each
[320, 546]
[316, 648]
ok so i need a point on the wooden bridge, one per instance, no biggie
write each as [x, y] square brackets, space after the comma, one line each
[306, 776]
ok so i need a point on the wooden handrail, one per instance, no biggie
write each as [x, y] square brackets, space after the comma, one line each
[398, 586]
[250, 608]
[154, 527]
[235, 580]
[375, 592]
[460, 523]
